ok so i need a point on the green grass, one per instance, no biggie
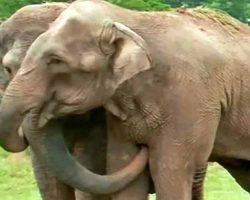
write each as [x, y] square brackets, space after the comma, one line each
[221, 186]
[17, 182]
[16, 178]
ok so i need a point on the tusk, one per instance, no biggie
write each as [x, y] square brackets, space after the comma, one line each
[44, 119]
[20, 132]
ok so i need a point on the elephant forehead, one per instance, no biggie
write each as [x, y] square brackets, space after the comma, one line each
[81, 18]
[73, 33]
[89, 10]
[73, 23]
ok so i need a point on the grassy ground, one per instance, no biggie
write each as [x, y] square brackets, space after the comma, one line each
[17, 182]
[221, 186]
[16, 178]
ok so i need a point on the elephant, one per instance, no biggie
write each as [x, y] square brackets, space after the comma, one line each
[13, 51]
[12, 55]
[17, 34]
[124, 61]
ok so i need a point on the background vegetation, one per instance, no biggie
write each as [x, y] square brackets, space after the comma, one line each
[237, 8]
[16, 177]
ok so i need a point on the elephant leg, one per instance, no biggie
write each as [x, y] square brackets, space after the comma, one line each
[198, 183]
[89, 139]
[239, 169]
[49, 186]
[119, 153]
[175, 177]
[182, 146]
[177, 156]
[90, 151]
[172, 178]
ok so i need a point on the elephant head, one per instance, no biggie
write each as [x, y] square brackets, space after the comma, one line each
[25, 96]
[78, 63]
[75, 66]
[16, 35]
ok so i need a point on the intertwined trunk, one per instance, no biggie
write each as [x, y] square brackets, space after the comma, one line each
[48, 143]
[19, 107]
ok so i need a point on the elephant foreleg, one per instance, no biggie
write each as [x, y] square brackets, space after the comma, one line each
[88, 141]
[176, 155]
[49, 186]
[198, 183]
[91, 152]
[119, 153]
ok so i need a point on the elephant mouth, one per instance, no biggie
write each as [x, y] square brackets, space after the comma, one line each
[59, 111]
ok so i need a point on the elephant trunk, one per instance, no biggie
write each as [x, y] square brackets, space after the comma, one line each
[18, 99]
[10, 120]
[48, 143]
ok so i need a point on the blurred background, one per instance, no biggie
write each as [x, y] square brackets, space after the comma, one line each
[237, 8]
[16, 176]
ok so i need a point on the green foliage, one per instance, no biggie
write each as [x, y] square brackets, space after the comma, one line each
[8, 7]
[240, 9]
[237, 8]
[142, 4]
[189, 3]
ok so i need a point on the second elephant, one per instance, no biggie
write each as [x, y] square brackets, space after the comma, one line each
[84, 141]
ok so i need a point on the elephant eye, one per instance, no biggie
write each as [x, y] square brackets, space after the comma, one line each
[54, 61]
[57, 65]
[8, 70]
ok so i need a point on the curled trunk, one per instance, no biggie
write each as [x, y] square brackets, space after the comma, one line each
[48, 143]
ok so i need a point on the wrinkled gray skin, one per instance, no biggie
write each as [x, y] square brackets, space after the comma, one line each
[152, 90]
[15, 42]
[84, 134]
[83, 139]
[3, 82]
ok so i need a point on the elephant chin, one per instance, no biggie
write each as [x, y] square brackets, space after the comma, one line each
[48, 143]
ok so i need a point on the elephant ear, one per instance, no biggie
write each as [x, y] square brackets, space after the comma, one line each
[127, 50]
